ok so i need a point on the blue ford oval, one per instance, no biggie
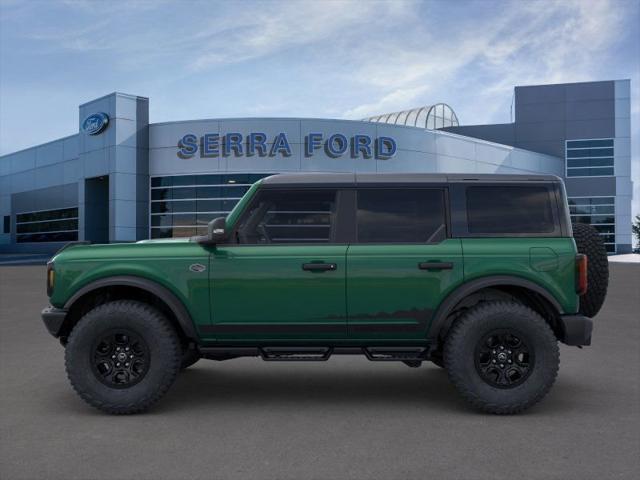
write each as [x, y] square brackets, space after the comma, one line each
[95, 123]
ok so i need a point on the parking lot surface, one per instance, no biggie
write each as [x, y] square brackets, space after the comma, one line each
[345, 418]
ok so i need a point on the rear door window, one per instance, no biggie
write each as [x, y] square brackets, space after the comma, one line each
[408, 215]
[509, 210]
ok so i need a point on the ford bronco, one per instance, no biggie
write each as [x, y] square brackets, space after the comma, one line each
[482, 275]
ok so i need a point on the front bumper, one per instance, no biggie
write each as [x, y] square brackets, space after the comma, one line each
[53, 319]
[576, 330]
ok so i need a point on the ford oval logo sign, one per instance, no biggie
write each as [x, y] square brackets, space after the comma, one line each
[95, 123]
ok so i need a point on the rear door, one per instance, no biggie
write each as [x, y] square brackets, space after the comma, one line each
[402, 263]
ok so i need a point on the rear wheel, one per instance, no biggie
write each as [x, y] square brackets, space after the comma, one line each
[122, 357]
[589, 242]
[502, 357]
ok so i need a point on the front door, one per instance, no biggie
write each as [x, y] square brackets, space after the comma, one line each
[401, 265]
[285, 277]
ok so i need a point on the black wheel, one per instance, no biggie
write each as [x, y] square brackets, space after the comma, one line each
[502, 357]
[122, 357]
[589, 242]
[189, 356]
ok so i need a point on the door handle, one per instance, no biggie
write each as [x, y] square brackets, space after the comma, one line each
[319, 267]
[435, 265]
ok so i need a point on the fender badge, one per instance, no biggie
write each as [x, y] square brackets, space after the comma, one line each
[197, 267]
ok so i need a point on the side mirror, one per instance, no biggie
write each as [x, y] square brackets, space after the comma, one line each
[216, 232]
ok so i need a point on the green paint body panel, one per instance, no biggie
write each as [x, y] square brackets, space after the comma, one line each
[254, 286]
[234, 214]
[547, 262]
[385, 286]
[164, 262]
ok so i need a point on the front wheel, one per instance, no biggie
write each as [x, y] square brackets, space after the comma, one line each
[502, 357]
[122, 356]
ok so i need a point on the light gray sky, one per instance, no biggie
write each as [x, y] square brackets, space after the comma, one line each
[328, 59]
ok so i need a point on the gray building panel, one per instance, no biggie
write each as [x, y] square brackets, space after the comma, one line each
[541, 112]
[533, 94]
[590, 110]
[596, 128]
[503, 133]
[587, 91]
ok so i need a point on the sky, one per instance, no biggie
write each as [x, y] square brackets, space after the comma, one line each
[323, 59]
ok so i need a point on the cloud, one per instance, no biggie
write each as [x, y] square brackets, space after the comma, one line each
[264, 31]
[525, 44]
[388, 103]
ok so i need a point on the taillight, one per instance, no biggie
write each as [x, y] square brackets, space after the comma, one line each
[581, 274]
[51, 278]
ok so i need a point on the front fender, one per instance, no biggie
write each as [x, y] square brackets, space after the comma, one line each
[176, 306]
[167, 265]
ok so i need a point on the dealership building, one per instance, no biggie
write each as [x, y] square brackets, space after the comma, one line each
[122, 179]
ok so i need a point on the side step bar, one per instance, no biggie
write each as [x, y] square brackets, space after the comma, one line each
[317, 354]
[292, 354]
[394, 354]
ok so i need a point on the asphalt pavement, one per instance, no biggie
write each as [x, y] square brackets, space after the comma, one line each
[341, 419]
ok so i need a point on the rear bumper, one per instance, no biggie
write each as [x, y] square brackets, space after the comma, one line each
[53, 319]
[576, 330]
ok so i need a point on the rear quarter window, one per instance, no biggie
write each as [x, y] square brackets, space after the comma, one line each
[499, 209]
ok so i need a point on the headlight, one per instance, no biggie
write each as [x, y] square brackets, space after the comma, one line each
[51, 278]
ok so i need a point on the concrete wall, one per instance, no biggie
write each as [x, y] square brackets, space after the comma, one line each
[622, 163]
[121, 152]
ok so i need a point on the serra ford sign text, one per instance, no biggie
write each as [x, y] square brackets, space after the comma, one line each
[258, 144]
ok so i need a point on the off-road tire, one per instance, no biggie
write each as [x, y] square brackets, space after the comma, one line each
[591, 244]
[148, 324]
[189, 357]
[471, 329]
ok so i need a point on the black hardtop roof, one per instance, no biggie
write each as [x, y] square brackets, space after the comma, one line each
[325, 179]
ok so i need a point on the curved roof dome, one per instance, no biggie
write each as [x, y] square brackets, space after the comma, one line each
[430, 117]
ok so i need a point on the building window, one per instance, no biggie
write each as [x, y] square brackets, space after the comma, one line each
[183, 205]
[6, 228]
[60, 225]
[589, 158]
[599, 212]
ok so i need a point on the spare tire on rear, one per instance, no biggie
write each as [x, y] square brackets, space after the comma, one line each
[589, 242]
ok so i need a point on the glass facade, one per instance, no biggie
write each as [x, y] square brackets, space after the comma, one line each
[430, 117]
[60, 225]
[598, 212]
[589, 158]
[183, 205]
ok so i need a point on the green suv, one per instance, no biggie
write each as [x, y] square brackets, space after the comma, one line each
[481, 275]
